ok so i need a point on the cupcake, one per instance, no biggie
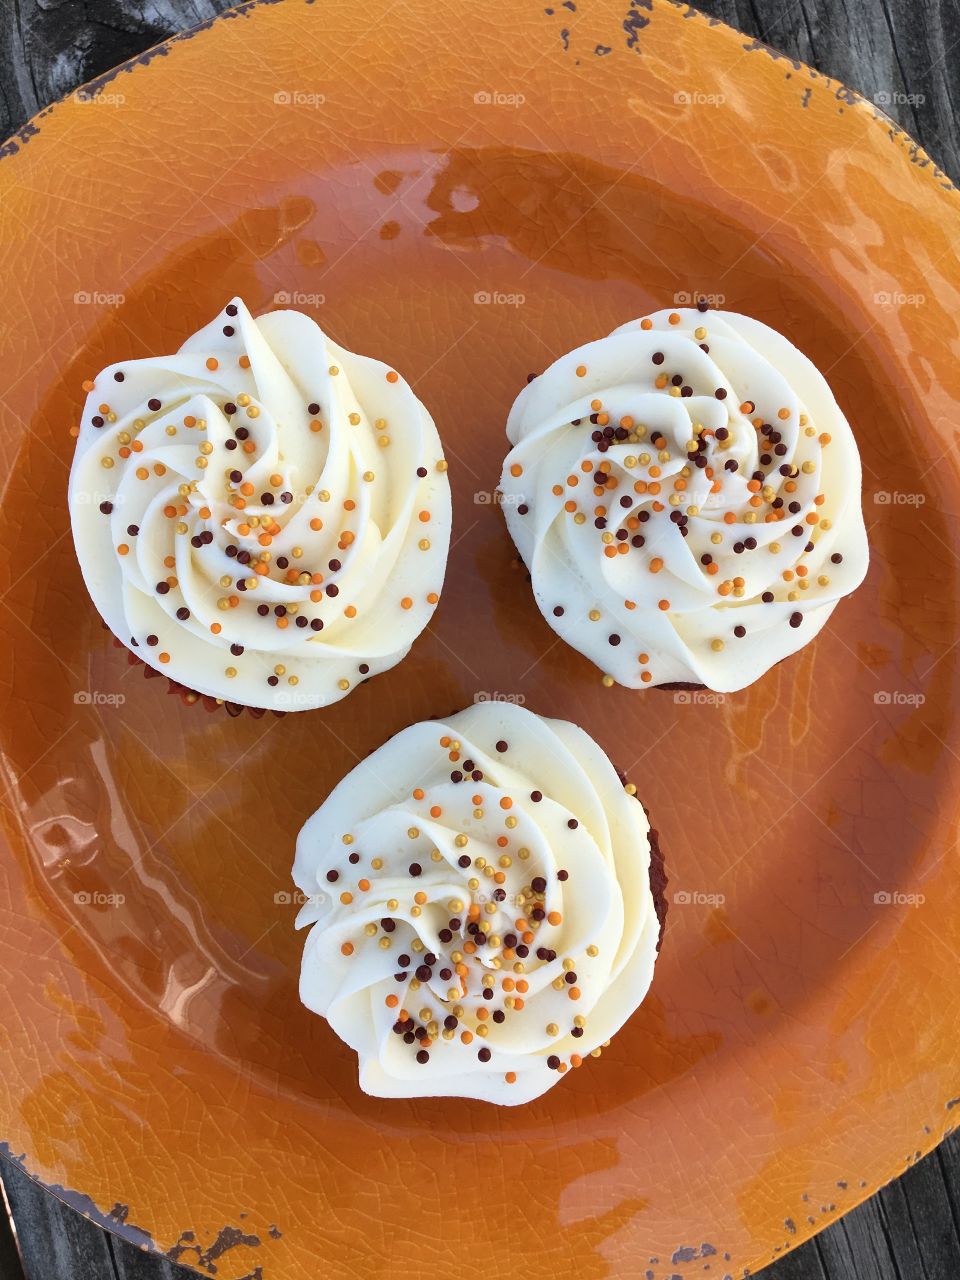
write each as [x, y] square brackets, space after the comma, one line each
[686, 496]
[263, 517]
[483, 921]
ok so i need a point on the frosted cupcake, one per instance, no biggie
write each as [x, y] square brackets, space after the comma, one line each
[479, 891]
[686, 496]
[263, 517]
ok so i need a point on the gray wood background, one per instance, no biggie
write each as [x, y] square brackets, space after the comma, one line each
[906, 50]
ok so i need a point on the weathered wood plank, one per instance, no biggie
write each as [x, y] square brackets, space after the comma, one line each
[11, 1268]
[56, 1243]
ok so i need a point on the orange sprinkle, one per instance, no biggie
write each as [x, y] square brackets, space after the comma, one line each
[212, 363]
[435, 811]
[346, 948]
[123, 549]
[511, 1077]
[346, 898]
[244, 362]
[581, 370]
[87, 384]
[392, 377]
[554, 917]
[673, 318]
[424, 517]
[316, 424]
[664, 605]
[783, 414]
[392, 1001]
[363, 885]
[406, 603]
[656, 564]
[646, 324]
[506, 803]
[645, 676]
[574, 993]
[432, 597]
[216, 628]
[164, 657]
[516, 469]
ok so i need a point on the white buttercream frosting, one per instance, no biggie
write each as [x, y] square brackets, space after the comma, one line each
[264, 516]
[494, 824]
[686, 496]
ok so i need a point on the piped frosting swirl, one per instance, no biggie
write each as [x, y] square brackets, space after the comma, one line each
[479, 895]
[686, 496]
[264, 516]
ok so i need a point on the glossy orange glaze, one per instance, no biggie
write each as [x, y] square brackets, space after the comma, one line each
[800, 1039]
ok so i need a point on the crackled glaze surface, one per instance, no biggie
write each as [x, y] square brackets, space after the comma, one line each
[422, 171]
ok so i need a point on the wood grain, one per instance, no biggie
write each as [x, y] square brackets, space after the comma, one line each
[902, 54]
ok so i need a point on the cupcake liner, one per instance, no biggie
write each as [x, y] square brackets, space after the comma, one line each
[190, 697]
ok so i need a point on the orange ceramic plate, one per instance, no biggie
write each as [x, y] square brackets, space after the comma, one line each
[470, 194]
